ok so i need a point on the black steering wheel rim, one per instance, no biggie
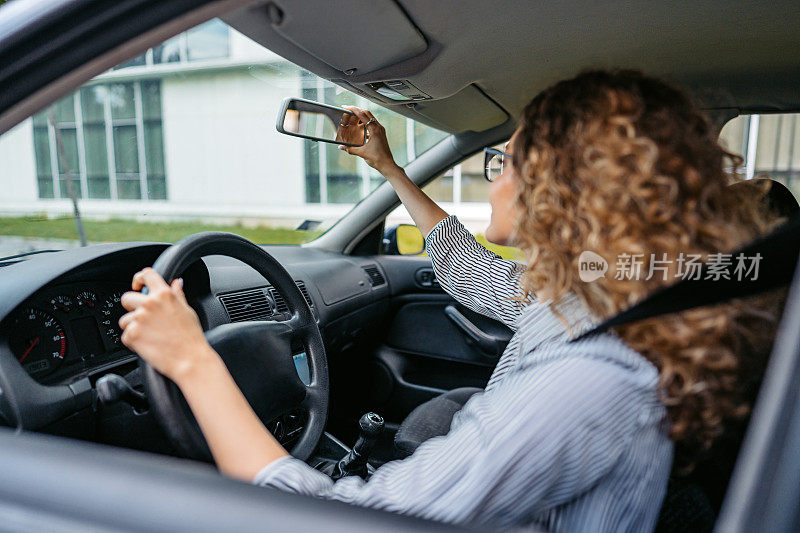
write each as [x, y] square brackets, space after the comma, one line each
[166, 400]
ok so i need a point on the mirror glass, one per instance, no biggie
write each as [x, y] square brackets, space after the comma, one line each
[320, 122]
[409, 240]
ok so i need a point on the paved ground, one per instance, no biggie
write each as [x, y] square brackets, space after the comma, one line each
[20, 245]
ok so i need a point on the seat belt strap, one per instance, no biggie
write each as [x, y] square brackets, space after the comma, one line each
[778, 253]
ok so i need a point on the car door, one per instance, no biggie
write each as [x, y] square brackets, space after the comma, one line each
[432, 343]
[429, 343]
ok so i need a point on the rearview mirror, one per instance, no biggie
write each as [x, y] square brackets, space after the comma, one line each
[319, 122]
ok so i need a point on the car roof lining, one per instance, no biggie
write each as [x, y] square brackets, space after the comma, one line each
[728, 55]
[732, 56]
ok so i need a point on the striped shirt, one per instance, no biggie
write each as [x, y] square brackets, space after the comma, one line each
[567, 436]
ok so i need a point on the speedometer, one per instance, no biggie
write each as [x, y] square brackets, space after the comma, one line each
[112, 311]
[38, 341]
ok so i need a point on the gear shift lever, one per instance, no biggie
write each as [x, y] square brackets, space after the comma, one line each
[355, 462]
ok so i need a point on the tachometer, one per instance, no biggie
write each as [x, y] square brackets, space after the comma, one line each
[38, 341]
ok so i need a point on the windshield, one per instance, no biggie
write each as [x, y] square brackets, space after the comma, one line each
[180, 140]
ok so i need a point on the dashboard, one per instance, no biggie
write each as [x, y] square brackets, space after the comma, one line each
[59, 330]
[69, 329]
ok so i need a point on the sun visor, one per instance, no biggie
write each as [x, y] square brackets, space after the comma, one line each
[467, 110]
[382, 37]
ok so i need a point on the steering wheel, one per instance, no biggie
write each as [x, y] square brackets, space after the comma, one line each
[259, 354]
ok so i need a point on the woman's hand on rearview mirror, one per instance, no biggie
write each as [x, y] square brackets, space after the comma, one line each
[376, 151]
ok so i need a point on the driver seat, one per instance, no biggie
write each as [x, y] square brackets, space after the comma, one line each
[430, 419]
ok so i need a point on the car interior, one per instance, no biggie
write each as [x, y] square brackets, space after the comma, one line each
[364, 328]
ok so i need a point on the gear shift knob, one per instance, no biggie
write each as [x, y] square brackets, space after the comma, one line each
[371, 425]
[355, 462]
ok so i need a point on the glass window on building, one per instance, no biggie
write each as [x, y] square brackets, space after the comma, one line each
[170, 51]
[769, 146]
[56, 150]
[209, 41]
[107, 138]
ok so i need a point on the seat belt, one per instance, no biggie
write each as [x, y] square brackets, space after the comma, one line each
[779, 253]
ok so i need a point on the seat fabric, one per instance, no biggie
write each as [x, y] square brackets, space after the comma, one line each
[430, 419]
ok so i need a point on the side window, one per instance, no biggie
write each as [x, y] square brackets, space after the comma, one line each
[462, 191]
[769, 145]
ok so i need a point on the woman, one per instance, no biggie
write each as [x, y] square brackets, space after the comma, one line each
[575, 436]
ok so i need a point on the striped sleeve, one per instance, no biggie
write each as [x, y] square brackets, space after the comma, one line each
[477, 278]
[544, 438]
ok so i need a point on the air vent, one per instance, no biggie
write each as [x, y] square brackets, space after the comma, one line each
[304, 290]
[280, 303]
[375, 276]
[247, 305]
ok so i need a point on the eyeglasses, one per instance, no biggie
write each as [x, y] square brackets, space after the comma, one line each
[493, 162]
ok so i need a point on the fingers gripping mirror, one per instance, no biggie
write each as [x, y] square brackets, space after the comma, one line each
[320, 122]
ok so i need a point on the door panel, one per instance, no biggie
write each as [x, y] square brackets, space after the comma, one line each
[426, 325]
[408, 380]
[432, 343]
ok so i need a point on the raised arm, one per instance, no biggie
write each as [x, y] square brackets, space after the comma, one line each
[474, 276]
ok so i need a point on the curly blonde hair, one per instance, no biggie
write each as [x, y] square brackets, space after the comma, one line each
[617, 162]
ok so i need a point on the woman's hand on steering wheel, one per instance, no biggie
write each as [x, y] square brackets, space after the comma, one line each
[165, 331]
[236, 377]
[161, 326]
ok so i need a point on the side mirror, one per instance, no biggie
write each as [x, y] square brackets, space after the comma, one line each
[403, 239]
[319, 122]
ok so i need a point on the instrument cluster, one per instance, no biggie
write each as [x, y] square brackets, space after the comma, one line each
[64, 330]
